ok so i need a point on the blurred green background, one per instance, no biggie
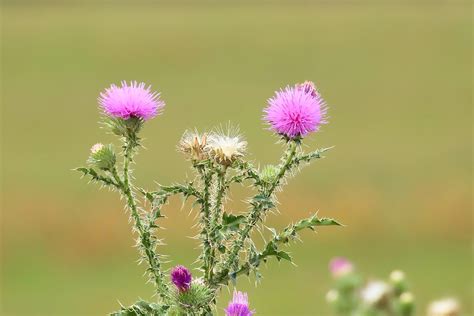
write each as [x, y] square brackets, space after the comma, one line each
[397, 78]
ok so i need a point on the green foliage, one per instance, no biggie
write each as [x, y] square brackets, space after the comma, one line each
[142, 308]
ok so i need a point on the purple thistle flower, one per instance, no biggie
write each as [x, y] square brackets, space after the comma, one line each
[296, 111]
[181, 277]
[239, 306]
[134, 100]
[340, 266]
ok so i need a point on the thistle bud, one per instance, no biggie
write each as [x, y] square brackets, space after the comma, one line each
[398, 281]
[102, 157]
[181, 278]
[340, 266]
[406, 303]
[269, 173]
[332, 296]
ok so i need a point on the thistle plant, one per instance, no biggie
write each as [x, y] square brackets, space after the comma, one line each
[351, 296]
[218, 159]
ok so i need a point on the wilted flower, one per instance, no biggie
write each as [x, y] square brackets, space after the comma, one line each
[181, 277]
[375, 293]
[340, 266]
[193, 145]
[239, 306]
[308, 87]
[225, 149]
[296, 111]
[103, 157]
[444, 307]
[134, 100]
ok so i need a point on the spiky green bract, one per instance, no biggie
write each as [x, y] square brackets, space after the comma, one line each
[127, 128]
[103, 158]
[193, 301]
[268, 174]
[142, 308]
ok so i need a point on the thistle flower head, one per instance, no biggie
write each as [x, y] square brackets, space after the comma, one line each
[239, 306]
[296, 111]
[225, 148]
[444, 307]
[181, 277]
[130, 100]
[193, 145]
[340, 266]
[375, 293]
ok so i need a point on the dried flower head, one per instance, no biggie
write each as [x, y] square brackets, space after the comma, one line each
[375, 293]
[134, 100]
[340, 266]
[239, 306]
[444, 307]
[193, 145]
[225, 148]
[181, 277]
[296, 111]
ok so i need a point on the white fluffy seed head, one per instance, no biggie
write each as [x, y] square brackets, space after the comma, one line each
[225, 148]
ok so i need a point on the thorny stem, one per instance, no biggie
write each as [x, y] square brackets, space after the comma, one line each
[206, 177]
[144, 239]
[216, 216]
[254, 216]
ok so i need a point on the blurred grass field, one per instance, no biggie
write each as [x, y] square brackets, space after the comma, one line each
[397, 78]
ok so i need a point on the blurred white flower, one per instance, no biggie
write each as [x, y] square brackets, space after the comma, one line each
[375, 292]
[444, 307]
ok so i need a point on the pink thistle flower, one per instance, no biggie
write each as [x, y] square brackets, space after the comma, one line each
[181, 277]
[239, 306]
[340, 266]
[134, 100]
[296, 111]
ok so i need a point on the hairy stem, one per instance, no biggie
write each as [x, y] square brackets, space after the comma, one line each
[216, 217]
[206, 177]
[145, 241]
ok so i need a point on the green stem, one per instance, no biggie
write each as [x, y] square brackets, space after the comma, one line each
[206, 176]
[145, 239]
[216, 218]
[254, 216]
